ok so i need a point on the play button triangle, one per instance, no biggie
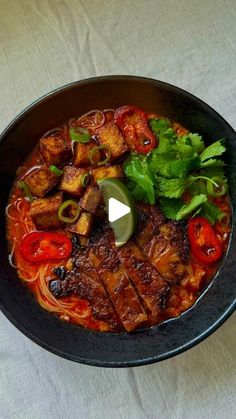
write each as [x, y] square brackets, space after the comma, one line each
[116, 209]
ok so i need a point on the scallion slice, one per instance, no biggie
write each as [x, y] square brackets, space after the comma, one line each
[25, 188]
[98, 149]
[218, 190]
[65, 205]
[85, 179]
[79, 134]
[55, 170]
[224, 219]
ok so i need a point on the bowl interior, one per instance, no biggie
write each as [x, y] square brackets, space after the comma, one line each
[74, 342]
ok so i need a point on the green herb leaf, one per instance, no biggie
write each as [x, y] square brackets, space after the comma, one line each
[214, 171]
[187, 209]
[189, 145]
[137, 170]
[213, 150]
[170, 207]
[178, 164]
[183, 149]
[167, 165]
[210, 211]
[138, 193]
[196, 143]
[164, 146]
[171, 188]
[159, 125]
[212, 163]
[198, 187]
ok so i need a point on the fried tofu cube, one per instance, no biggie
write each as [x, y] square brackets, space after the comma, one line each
[40, 181]
[44, 211]
[110, 136]
[104, 172]
[82, 153]
[72, 179]
[54, 150]
[91, 199]
[83, 226]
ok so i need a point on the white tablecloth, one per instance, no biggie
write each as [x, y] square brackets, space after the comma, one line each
[45, 44]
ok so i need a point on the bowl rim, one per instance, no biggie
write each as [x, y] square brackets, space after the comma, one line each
[165, 355]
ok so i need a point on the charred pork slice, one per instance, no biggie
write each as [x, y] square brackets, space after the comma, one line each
[104, 256]
[84, 281]
[164, 242]
[76, 282]
[151, 287]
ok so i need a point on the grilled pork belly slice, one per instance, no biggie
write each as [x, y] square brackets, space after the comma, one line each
[165, 243]
[151, 287]
[84, 286]
[104, 256]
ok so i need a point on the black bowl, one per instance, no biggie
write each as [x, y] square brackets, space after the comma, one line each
[73, 342]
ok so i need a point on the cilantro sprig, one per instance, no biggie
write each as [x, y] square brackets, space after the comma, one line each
[180, 166]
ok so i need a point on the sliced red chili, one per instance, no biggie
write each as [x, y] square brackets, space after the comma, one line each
[39, 246]
[204, 243]
[133, 123]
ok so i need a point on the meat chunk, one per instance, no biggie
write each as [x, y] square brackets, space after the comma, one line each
[81, 259]
[104, 172]
[44, 211]
[71, 181]
[82, 153]
[40, 181]
[151, 287]
[91, 199]
[78, 283]
[110, 136]
[165, 243]
[54, 150]
[83, 226]
[104, 257]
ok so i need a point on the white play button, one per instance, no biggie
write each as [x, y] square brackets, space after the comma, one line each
[116, 209]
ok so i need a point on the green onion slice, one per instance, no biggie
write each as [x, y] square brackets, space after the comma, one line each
[55, 170]
[216, 190]
[25, 188]
[96, 150]
[79, 134]
[74, 209]
[85, 179]
[224, 219]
